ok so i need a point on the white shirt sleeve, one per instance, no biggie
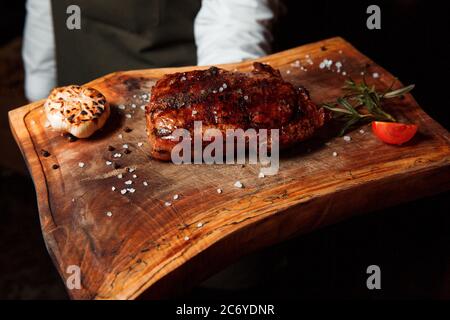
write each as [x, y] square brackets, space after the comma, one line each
[233, 30]
[39, 50]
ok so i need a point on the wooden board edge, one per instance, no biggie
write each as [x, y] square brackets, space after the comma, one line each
[30, 154]
[290, 217]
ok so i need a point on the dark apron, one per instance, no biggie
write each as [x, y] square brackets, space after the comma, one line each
[123, 35]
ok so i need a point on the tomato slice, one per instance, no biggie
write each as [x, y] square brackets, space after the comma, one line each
[393, 132]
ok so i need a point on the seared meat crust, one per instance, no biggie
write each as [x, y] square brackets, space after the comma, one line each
[222, 99]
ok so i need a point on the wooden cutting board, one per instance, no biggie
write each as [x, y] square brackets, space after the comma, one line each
[146, 246]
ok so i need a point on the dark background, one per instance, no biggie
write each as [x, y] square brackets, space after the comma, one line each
[410, 242]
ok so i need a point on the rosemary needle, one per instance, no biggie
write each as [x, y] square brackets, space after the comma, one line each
[363, 103]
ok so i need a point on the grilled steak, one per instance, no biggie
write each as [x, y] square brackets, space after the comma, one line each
[221, 99]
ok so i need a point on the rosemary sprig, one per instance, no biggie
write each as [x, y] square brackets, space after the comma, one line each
[362, 103]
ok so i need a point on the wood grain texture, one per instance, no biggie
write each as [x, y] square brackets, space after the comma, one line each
[142, 248]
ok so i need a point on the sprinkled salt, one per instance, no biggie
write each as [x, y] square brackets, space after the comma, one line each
[113, 188]
[121, 107]
[128, 116]
[224, 86]
[245, 97]
[194, 112]
[109, 214]
[175, 197]
[186, 238]
[335, 154]
[108, 163]
[81, 164]
[344, 73]
[119, 176]
[219, 191]
[123, 191]
[347, 138]
[145, 183]
[288, 71]
[125, 146]
[199, 225]
[375, 75]
[131, 170]
[261, 175]
[117, 155]
[134, 176]
[140, 144]
[361, 131]
[131, 190]
[220, 89]
[167, 204]
[142, 108]
[238, 184]
[120, 136]
[133, 106]
[183, 78]
[128, 182]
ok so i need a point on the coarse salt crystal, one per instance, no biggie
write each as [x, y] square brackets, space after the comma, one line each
[347, 138]
[131, 190]
[140, 144]
[134, 176]
[117, 155]
[113, 188]
[245, 97]
[125, 146]
[133, 106]
[109, 213]
[175, 197]
[145, 183]
[199, 225]
[128, 116]
[120, 136]
[219, 191]
[375, 75]
[123, 191]
[194, 112]
[183, 78]
[186, 238]
[128, 182]
[361, 131]
[121, 107]
[108, 163]
[344, 73]
[335, 154]
[142, 108]
[81, 164]
[238, 184]
[131, 170]
[167, 204]
[261, 175]
[224, 86]
[288, 71]
[119, 176]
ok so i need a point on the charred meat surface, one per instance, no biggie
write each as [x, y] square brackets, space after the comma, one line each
[222, 99]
